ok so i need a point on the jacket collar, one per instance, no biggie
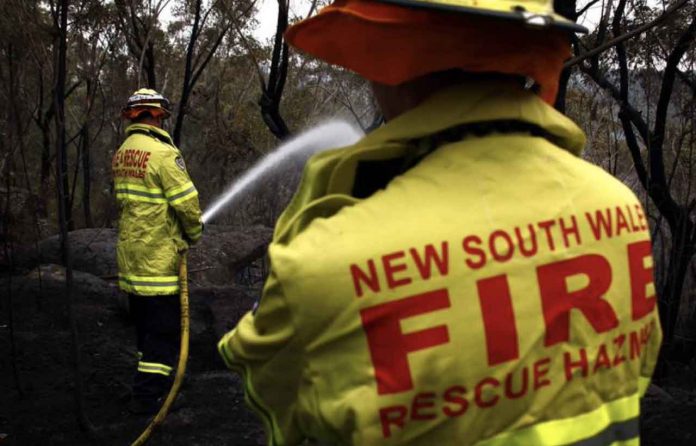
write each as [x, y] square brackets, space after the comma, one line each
[151, 130]
[479, 102]
[469, 103]
[329, 176]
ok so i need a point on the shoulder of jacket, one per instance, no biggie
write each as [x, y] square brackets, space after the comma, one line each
[157, 146]
[596, 180]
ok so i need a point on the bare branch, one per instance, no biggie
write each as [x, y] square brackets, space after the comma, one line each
[617, 40]
[313, 7]
[209, 56]
[668, 79]
[586, 8]
[245, 42]
[634, 115]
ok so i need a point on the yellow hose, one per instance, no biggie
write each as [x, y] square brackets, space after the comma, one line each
[183, 356]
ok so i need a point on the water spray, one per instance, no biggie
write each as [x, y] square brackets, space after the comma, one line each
[328, 135]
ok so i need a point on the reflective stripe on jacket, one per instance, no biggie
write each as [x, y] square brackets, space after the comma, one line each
[159, 209]
[497, 291]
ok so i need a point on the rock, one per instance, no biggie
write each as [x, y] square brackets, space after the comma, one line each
[214, 260]
[49, 280]
[227, 305]
[223, 250]
[41, 294]
[657, 393]
[92, 250]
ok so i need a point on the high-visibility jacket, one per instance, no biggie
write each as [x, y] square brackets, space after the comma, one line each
[497, 290]
[160, 214]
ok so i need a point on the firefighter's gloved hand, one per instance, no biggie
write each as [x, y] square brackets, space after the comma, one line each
[188, 240]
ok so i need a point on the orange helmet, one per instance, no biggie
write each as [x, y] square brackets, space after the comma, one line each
[394, 41]
[146, 100]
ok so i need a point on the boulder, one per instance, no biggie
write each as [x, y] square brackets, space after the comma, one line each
[224, 250]
[214, 260]
[44, 287]
[226, 304]
[657, 393]
[92, 250]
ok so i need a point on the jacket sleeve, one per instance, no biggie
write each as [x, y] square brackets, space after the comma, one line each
[181, 195]
[263, 349]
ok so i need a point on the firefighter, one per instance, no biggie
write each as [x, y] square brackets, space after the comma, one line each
[159, 218]
[459, 276]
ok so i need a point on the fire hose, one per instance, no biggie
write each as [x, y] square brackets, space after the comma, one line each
[183, 356]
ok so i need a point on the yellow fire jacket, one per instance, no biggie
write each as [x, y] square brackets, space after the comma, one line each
[497, 291]
[160, 214]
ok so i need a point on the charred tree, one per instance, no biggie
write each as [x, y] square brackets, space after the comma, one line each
[196, 62]
[272, 88]
[138, 27]
[60, 14]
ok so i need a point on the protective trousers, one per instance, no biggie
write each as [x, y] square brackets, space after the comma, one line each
[158, 331]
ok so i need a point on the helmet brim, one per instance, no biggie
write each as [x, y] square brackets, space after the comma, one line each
[392, 44]
[530, 19]
[157, 111]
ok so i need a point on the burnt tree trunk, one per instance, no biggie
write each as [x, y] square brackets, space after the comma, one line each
[150, 66]
[273, 89]
[193, 70]
[565, 8]
[682, 251]
[63, 209]
[86, 177]
[188, 72]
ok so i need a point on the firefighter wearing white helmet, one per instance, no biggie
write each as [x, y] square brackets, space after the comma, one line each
[460, 276]
[159, 217]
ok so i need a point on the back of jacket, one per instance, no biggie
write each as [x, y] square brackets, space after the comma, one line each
[159, 211]
[498, 292]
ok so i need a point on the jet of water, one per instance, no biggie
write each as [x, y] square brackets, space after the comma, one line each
[327, 135]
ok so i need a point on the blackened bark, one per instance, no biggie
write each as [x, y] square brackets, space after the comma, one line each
[150, 66]
[566, 8]
[13, 120]
[273, 89]
[681, 253]
[63, 210]
[43, 120]
[86, 177]
[136, 32]
[194, 69]
[562, 90]
[188, 72]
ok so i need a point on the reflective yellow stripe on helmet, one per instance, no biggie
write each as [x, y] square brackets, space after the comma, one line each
[615, 422]
[154, 367]
[181, 193]
[149, 285]
[136, 192]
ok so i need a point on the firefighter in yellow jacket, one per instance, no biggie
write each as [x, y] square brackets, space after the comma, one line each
[159, 217]
[460, 276]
